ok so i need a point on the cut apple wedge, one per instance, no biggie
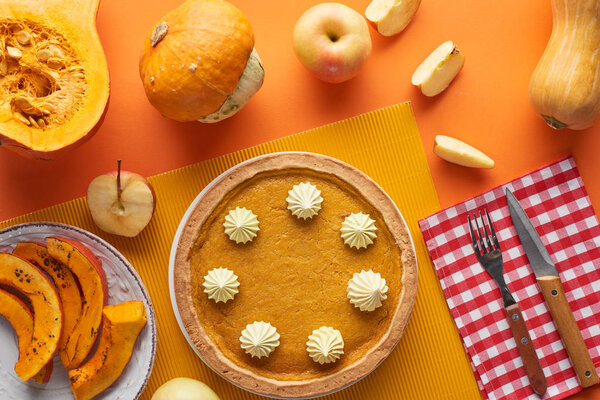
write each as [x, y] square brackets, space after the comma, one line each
[438, 70]
[27, 279]
[21, 318]
[63, 279]
[390, 17]
[458, 152]
[88, 271]
[121, 325]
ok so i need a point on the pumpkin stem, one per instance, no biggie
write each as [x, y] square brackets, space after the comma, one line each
[553, 122]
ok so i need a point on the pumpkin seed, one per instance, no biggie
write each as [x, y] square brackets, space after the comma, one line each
[22, 118]
[56, 51]
[41, 122]
[24, 38]
[33, 121]
[55, 63]
[44, 55]
[158, 34]
[3, 67]
[193, 67]
[13, 52]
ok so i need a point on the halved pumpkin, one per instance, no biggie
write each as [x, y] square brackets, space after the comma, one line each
[88, 270]
[21, 318]
[53, 75]
[65, 283]
[27, 279]
[121, 325]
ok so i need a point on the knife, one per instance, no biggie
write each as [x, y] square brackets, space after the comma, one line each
[552, 289]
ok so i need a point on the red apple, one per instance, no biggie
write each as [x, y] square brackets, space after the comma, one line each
[332, 41]
[121, 202]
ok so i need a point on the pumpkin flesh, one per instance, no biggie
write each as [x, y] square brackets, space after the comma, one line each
[54, 79]
[565, 86]
[66, 285]
[27, 279]
[121, 325]
[88, 270]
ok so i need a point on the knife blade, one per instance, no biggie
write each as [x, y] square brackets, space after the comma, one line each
[551, 286]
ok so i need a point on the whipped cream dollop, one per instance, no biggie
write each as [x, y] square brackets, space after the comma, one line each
[325, 345]
[259, 339]
[358, 230]
[304, 200]
[366, 290]
[241, 225]
[221, 284]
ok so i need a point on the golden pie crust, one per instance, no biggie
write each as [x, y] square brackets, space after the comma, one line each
[293, 275]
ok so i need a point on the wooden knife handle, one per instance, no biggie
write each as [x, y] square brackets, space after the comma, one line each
[554, 295]
[537, 379]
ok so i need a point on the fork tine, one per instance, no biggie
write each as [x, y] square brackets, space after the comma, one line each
[494, 238]
[484, 249]
[473, 238]
[485, 230]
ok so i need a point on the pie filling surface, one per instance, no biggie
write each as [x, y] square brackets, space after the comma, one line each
[294, 274]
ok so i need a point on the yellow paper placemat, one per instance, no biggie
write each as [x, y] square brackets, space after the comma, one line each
[428, 363]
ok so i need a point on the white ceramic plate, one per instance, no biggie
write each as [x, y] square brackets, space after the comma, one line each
[124, 284]
[172, 278]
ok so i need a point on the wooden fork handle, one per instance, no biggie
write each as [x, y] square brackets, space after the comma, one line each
[554, 295]
[536, 376]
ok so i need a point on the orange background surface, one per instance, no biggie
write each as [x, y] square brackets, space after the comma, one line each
[486, 105]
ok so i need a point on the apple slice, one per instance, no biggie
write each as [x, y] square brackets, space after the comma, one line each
[88, 270]
[121, 202]
[26, 278]
[21, 318]
[64, 280]
[458, 152]
[390, 17]
[121, 325]
[439, 69]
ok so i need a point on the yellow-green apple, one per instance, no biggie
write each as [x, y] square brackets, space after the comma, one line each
[439, 69]
[121, 202]
[391, 16]
[332, 41]
[458, 152]
[184, 389]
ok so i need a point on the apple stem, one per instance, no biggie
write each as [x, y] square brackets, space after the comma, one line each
[119, 189]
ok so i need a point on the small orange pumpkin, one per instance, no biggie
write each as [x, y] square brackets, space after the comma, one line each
[198, 62]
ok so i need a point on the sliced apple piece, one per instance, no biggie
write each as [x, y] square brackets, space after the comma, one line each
[27, 279]
[21, 318]
[88, 271]
[65, 283]
[121, 325]
[390, 17]
[458, 152]
[439, 69]
[121, 202]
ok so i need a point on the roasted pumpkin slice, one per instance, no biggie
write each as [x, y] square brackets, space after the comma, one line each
[121, 325]
[29, 280]
[88, 270]
[65, 283]
[53, 75]
[21, 318]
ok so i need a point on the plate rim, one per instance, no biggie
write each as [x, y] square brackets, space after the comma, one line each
[125, 262]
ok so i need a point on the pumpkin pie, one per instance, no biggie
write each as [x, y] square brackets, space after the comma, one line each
[293, 274]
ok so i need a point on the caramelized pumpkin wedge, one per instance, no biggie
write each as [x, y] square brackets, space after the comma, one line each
[88, 270]
[65, 283]
[27, 279]
[121, 325]
[21, 318]
[53, 75]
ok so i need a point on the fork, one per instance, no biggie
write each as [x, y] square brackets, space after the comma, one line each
[490, 257]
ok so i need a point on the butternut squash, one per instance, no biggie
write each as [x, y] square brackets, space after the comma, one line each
[29, 280]
[121, 325]
[53, 75]
[66, 285]
[565, 87]
[88, 270]
[21, 318]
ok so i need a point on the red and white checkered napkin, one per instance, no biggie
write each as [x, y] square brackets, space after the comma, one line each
[557, 203]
